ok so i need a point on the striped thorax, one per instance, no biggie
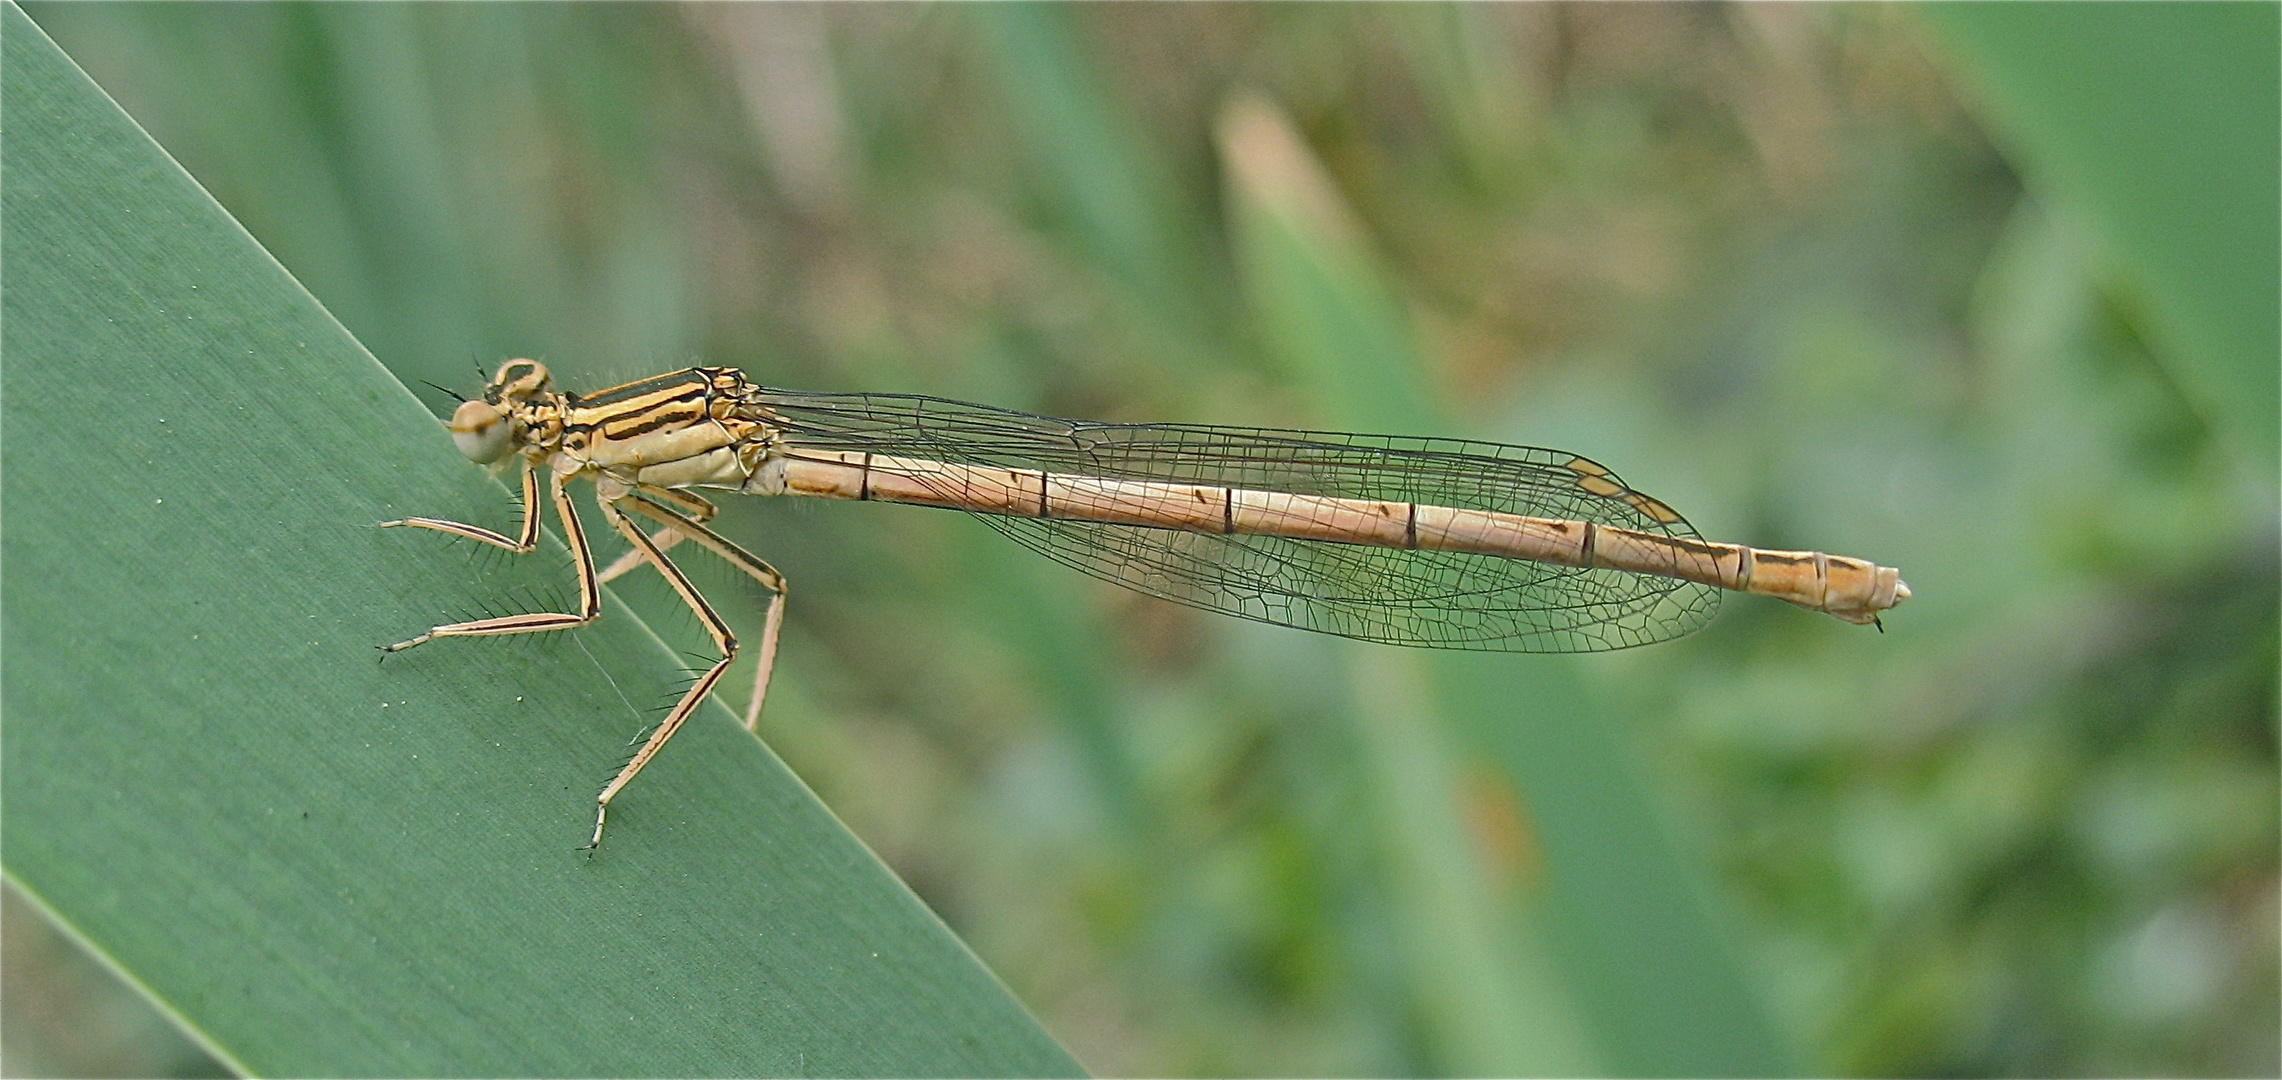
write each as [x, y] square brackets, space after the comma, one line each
[687, 429]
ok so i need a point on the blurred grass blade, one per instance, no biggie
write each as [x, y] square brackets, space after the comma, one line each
[2159, 123]
[1323, 303]
[318, 864]
[1097, 169]
[1654, 987]
[1330, 319]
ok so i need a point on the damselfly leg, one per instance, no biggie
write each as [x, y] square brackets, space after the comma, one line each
[693, 506]
[589, 590]
[680, 525]
[715, 626]
[522, 546]
[682, 516]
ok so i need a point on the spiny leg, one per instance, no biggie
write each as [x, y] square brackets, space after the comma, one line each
[693, 505]
[743, 560]
[722, 639]
[523, 546]
[589, 590]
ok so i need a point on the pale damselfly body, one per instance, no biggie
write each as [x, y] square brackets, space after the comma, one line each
[1441, 543]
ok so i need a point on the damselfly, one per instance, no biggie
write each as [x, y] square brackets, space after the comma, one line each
[1442, 543]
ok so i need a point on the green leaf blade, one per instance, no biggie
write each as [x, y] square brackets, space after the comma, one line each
[327, 865]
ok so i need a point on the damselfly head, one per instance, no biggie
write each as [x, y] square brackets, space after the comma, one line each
[482, 430]
[518, 380]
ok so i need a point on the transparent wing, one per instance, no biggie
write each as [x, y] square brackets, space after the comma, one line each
[1402, 597]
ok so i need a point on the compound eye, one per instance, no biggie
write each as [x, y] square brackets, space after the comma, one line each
[480, 429]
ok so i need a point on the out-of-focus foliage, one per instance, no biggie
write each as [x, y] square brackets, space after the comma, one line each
[2113, 116]
[1762, 259]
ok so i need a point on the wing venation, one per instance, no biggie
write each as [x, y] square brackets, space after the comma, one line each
[1392, 595]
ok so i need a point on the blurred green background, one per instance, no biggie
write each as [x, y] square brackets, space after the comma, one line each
[1830, 277]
